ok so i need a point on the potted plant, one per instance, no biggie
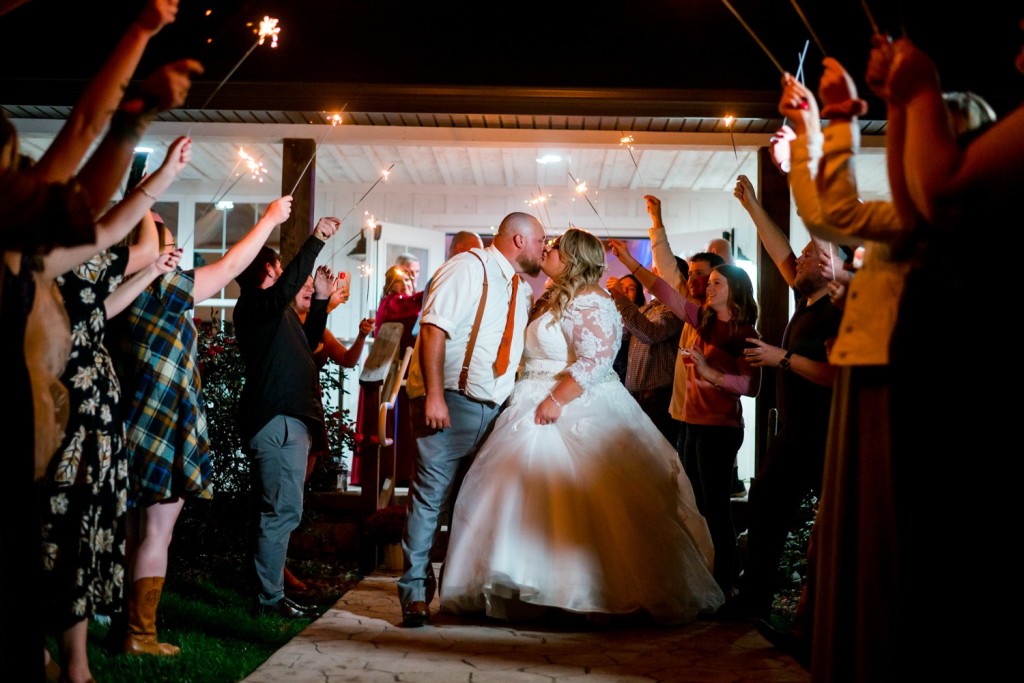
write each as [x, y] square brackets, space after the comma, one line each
[384, 528]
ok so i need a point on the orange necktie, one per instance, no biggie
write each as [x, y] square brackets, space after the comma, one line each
[501, 364]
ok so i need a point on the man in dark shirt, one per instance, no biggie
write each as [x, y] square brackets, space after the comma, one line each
[281, 413]
[795, 459]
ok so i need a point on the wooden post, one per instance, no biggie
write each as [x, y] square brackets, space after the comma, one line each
[298, 152]
[773, 293]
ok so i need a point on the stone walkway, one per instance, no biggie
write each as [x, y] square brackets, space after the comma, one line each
[361, 639]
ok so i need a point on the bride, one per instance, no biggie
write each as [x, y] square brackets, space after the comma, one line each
[576, 501]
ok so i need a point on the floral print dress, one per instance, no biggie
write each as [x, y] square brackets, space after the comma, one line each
[86, 485]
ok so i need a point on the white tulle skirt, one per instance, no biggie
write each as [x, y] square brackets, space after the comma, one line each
[592, 514]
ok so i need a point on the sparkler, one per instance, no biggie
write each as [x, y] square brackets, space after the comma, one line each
[729, 120]
[803, 18]
[335, 120]
[799, 75]
[581, 188]
[871, 18]
[383, 176]
[268, 28]
[627, 140]
[754, 36]
[540, 199]
[256, 171]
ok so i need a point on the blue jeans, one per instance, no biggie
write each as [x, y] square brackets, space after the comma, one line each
[439, 455]
[279, 451]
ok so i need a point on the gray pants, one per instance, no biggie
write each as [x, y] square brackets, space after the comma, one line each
[439, 454]
[279, 453]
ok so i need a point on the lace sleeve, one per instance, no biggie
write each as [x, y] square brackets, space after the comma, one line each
[594, 329]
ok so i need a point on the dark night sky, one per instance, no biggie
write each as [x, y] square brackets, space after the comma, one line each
[678, 44]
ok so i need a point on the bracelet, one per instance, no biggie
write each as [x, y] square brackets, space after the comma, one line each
[146, 192]
[554, 400]
[638, 267]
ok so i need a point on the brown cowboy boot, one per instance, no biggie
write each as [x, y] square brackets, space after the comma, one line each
[142, 603]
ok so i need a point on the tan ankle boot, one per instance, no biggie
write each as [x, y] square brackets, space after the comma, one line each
[142, 603]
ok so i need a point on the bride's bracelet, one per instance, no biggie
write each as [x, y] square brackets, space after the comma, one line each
[554, 400]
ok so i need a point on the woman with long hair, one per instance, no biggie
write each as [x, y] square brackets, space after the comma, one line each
[721, 375]
[576, 501]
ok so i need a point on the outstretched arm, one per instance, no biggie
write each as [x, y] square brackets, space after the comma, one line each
[661, 250]
[212, 278]
[128, 291]
[92, 113]
[774, 240]
[125, 215]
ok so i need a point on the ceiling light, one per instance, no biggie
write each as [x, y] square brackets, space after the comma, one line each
[225, 205]
[549, 159]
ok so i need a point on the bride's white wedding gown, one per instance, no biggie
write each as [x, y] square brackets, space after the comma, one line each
[590, 514]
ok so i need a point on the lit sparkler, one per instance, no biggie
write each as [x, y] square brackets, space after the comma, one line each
[334, 120]
[627, 140]
[256, 168]
[268, 28]
[581, 188]
[729, 119]
[383, 176]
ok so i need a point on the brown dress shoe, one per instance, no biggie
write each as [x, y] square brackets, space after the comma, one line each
[415, 614]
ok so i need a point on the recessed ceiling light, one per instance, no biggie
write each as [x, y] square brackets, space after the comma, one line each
[549, 159]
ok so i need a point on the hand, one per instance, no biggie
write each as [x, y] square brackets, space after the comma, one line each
[831, 265]
[761, 355]
[178, 156]
[157, 14]
[167, 88]
[323, 282]
[547, 412]
[654, 210]
[837, 293]
[744, 191]
[879, 64]
[165, 263]
[697, 357]
[339, 293]
[612, 284]
[618, 248]
[798, 105]
[835, 86]
[436, 411]
[326, 227]
[365, 326]
[279, 210]
[781, 152]
[912, 72]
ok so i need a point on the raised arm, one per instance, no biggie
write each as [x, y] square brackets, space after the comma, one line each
[774, 240]
[125, 215]
[944, 179]
[213, 277]
[165, 89]
[93, 111]
[331, 348]
[128, 291]
[684, 309]
[664, 259]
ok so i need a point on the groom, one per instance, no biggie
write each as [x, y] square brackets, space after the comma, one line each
[463, 369]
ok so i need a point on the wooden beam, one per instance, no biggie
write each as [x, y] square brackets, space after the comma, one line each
[298, 152]
[773, 294]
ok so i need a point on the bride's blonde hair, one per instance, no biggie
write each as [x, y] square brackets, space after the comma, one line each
[582, 254]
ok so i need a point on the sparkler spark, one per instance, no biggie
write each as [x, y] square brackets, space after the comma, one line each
[256, 168]
[383, 176]
[269, 27]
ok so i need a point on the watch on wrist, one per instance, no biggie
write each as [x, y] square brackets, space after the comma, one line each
[784, 363]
